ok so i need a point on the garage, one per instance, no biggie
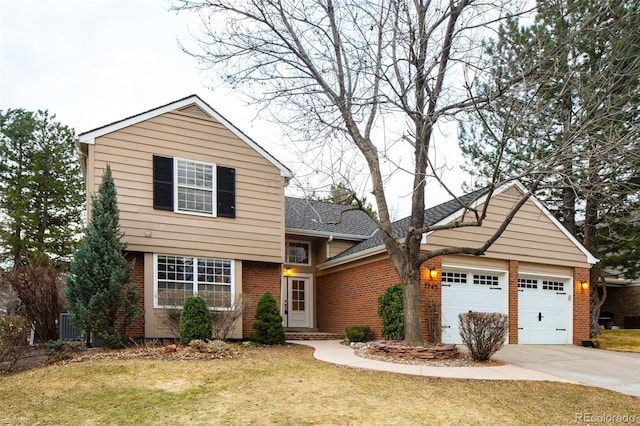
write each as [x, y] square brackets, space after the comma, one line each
[544, 310]
[464, 291]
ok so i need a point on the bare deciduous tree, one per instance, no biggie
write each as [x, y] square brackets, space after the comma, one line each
[374, 80]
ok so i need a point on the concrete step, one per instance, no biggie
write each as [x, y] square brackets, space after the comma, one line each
[312, 335]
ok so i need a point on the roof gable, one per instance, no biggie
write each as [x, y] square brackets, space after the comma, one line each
[445, 213]
[192, 105]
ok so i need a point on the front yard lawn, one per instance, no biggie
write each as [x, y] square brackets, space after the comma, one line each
[282, 385]
[619, 340]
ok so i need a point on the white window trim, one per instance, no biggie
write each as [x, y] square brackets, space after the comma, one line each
[214, 192]
[286, 254]
[195, 282]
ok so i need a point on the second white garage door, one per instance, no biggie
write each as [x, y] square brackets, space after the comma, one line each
[544, 307]
[464, 291]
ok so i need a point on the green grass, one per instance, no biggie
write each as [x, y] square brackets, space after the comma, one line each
[283, 385]
[619, 340]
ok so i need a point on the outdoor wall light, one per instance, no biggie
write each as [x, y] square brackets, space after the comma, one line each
[584, 285]
[432, 273]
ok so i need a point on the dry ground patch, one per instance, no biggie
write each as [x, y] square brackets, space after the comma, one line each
[619, 340]
[282, 385]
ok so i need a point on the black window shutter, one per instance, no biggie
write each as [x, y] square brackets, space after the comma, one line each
[162, 183]
[226, 195]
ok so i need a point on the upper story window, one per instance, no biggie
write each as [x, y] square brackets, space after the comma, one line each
[298, 252]
[196, 187]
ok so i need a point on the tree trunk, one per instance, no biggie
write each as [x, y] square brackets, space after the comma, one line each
[411, 301]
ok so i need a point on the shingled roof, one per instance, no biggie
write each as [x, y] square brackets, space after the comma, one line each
[432, 216]
[322, 218]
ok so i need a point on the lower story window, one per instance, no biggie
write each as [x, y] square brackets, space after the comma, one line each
[177, 277]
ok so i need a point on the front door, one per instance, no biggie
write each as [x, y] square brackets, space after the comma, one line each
[297, 304]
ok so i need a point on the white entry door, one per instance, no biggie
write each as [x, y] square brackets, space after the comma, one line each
[544, 307]
[297, 303]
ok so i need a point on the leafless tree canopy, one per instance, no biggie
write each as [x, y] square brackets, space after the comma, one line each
[369, 81]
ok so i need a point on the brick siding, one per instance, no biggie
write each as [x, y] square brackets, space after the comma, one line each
[136, 329]
[580, 306]
[514, 266]
[350, 297]
[257, 279]
[622, 302]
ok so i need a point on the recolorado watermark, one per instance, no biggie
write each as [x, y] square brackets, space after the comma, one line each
[605, 418]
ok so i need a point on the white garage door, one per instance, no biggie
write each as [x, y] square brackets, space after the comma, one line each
[544, 307]
[470, 291]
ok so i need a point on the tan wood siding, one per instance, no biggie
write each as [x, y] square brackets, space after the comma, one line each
[549, 270]
[338, 246]
[531, 237]
[479, 262]
[257, 231]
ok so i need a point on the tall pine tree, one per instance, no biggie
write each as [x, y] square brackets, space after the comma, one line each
[583, 100]
[99, 296]
[41, 188]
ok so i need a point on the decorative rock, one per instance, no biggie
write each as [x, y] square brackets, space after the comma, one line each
[397, 350]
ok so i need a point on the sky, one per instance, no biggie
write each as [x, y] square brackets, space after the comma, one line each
[93, 62]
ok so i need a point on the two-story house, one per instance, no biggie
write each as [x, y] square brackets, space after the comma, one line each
[204, 212]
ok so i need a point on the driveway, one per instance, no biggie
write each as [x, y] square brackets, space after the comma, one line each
[616, 371]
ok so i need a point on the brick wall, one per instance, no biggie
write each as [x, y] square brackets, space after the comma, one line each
[350, 297]
[623, 302]
[257, 279]
[136, 329]
[513, 301]
[580, 306]
[431, 300]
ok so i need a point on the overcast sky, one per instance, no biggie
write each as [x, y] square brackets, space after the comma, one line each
[92, 62]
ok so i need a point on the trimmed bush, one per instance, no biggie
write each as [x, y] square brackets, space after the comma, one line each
[13, 340]
[195, 321]
[391, 310]
[357, 333]
[267, 328]
[483, 333]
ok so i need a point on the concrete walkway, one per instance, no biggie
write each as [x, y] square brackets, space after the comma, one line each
[619, 372]
[335, 352]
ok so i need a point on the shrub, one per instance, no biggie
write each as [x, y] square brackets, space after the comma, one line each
[39, 288]
[13, 340]
[267, 328]
[357, 333]
[58, 350]
[391, 310]
[195, 321]
[223, 321]
[483, 333]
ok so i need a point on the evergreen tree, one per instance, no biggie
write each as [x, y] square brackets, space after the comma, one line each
[583, 101]
[41, 188]
[195, 320]
[267, 328]
[99, 297]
